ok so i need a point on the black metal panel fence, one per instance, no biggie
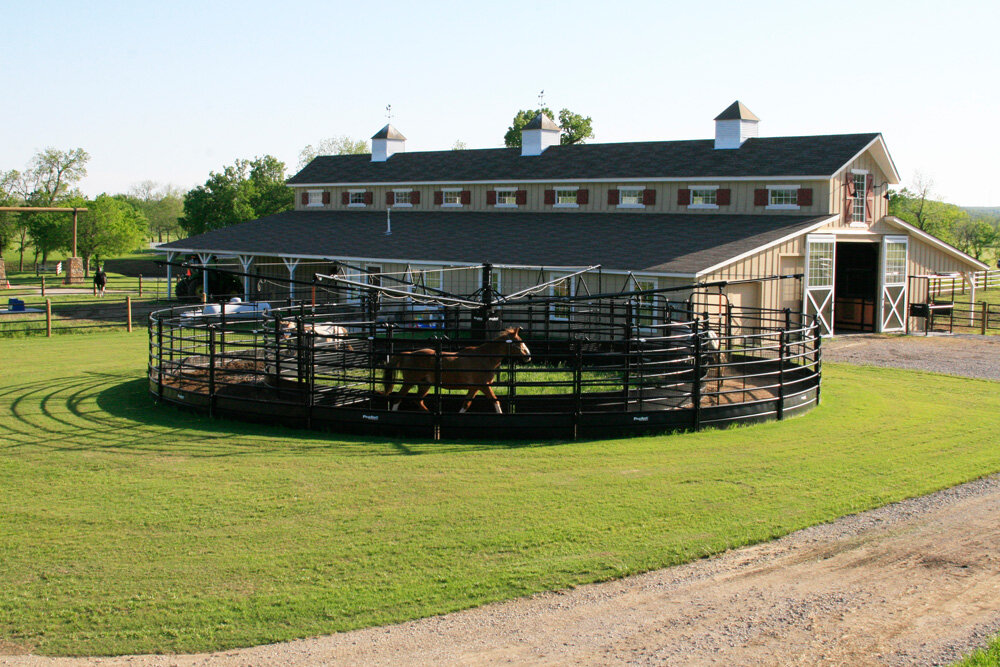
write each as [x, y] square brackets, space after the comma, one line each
[597, 368]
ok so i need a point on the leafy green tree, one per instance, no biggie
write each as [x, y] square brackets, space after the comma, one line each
[342, 145]
[162, 206]
[8, 220]
[575, 129]
[459, 145]
[110, 226]
[247, 190]
[974, 237]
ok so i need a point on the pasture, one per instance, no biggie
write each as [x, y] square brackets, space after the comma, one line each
[127, 527]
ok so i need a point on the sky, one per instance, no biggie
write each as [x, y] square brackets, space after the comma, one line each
[170, 91]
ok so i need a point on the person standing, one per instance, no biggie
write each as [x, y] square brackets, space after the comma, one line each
[100, 279]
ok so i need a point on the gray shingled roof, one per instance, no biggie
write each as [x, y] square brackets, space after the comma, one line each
[389, 132]
[638, 242]
[541, 122]
[737, 111]
[820, 155]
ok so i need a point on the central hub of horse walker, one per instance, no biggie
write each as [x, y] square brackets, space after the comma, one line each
[424, 364]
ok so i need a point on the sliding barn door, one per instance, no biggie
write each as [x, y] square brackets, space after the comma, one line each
[893, 307]
[821, 255]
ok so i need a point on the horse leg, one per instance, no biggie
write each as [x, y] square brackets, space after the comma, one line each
[421, 395]
[496, 401]
[401, 395]
[468, 399]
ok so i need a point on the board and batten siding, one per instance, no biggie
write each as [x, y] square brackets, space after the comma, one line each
[837, 192]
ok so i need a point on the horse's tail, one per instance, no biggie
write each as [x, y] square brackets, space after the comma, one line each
[388, 375]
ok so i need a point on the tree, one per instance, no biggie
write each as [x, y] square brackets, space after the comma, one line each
[162, 206]
[342, 145]
[459, 145]
[246, 190]
[48, 180]
[109, 226]
[912, 205]
[8, 220]
[974, 237]
[574, 128]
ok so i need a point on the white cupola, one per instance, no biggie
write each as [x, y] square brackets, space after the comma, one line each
[387, 142]
[734, 126]
[538, 135]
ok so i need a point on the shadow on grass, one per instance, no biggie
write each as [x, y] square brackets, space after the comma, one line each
[112, 412]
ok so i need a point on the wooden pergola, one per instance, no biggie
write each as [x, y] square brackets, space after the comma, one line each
[74, 269]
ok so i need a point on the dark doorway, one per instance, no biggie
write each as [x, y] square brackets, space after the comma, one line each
[856, 287]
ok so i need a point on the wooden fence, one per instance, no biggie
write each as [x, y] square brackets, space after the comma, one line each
[949, 286]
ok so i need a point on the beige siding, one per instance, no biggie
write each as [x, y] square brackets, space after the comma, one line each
[837, 192]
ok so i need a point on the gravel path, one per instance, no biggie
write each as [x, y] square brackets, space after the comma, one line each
[916, 582]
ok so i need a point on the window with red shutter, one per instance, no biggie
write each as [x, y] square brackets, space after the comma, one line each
[649, 197]
[438, 197]
[582, 196]
[722, 196]
[550, 197]
[345, 198]
[369, 198]
[304, 198]
[491, 197]
[760, 197]
[613, 196]
[684, 197]
[805, 197]
[521, 197]
[466, 197]
[326, 198]
[415, 197]
[390, 198]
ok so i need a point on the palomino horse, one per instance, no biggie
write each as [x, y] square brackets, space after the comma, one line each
[472, 368]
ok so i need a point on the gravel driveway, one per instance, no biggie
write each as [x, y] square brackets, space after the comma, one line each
[916, 582]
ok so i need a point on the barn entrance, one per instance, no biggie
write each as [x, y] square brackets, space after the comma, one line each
[856, 286]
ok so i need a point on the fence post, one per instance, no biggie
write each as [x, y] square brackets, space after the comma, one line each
[696, 383]
[128, 313]
[211, 371]
[159, 357]
[437, 389]
[48, 318]
[140, 284]
[43, 286]
[984, 315]
[781, 375]
[578, 388]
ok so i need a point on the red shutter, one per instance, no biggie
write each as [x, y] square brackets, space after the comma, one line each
[805, 197]
[466, 197]
[390, 198]
[870, 198]
[582, 196]
[415, 197]
[722, 196]
[684, 197]
[613, 196]
[369, 198]
[305, 198]
[648, 197]
[550, 197]
[760, 197]
[326, 198]
[521, 197]
[438, 197]
[345, 198]
[491, 197]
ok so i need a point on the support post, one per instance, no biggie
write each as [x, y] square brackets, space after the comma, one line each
[211, 371]
[781, 375]
[984, 314]
[170, 275]
[696, 385]
[140, 284]
[43, 286]
[48, 318]
[128, 313]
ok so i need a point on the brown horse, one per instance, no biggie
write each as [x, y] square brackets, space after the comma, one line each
[472, 368]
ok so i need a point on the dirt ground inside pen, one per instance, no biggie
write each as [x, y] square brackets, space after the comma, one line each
[916, 582]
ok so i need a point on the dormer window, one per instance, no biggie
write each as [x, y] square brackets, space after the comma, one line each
[451, 197]
[704, 196]
[357, 198]
[783, 196]
[315, 198]
[507, 197]
[402, 197]
[630, 197]
[566, 196]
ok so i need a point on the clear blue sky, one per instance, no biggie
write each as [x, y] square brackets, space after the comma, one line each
[169, 91]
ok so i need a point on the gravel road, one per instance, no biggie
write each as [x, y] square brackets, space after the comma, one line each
[916, 582]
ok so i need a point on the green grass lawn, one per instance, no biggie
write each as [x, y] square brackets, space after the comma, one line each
[986, 657]
[127, 527]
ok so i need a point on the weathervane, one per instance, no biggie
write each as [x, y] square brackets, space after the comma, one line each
[541, 99]
[388, 112]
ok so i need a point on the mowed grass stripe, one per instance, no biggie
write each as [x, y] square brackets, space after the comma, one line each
[127, 527]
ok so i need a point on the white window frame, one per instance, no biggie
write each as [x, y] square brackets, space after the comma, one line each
[436, 273]
[694, 188]
[781, 207]
[566, 188]
[512, 192]
[622, 189]
[557, 289]
[350, 198]
[861, 200]
[647, 304]
[398, 191]
[315, 198]
[451, 191]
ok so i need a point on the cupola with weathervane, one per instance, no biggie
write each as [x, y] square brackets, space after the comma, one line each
[538, 135]
[734, 126]
[387, 142]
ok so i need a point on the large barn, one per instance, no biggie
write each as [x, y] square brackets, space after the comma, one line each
[652, 214]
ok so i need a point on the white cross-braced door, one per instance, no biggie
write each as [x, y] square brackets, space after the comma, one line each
[821, 255]
[893, 307]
